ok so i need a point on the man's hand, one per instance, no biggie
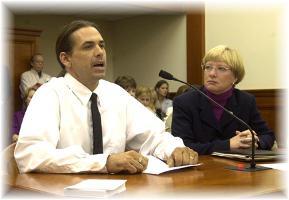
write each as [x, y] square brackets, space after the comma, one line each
[128, 162]
[182, 156]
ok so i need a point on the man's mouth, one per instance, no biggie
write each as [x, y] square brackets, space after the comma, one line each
[98, 64]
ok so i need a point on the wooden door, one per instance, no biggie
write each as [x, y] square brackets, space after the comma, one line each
[24, 43]
[195, 45]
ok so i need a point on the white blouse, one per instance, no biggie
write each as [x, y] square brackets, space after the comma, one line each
[30, 78]
[56, 133]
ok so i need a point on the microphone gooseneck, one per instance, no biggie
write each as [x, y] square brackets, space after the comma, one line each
[168, 76]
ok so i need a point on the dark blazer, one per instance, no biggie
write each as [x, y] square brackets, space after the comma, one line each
[195, 122]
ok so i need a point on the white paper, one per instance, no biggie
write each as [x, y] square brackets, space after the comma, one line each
[279, 166]
[95, 188]
[156, 166]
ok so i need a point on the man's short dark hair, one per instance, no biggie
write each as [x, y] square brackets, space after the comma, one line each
[64, 43]
[125, 82]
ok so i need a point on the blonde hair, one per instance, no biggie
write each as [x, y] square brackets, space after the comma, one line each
[141, 90]
[33, 88]
[229, 56]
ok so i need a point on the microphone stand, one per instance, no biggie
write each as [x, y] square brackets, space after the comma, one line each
[252, 166]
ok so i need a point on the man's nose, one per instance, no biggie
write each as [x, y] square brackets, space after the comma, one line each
[99, 51]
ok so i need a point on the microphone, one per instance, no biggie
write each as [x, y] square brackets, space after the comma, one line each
[166, 75]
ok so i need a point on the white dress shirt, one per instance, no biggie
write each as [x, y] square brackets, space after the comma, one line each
[30, 78]
[56, 133]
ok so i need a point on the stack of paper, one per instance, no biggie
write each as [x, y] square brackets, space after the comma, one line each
[99, 188]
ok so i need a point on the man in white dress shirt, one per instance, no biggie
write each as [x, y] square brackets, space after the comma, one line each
[34, 75]
[56, 133]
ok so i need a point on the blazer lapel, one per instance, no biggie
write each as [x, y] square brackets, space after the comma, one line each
[206, 114]
[231, 106]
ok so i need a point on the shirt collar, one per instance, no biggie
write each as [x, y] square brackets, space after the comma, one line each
[79, 90]
[34, 71]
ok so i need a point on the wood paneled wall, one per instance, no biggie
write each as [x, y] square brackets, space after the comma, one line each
[271, 104]
[23, 44]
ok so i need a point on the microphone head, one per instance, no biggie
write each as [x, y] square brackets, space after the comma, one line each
[166, 75]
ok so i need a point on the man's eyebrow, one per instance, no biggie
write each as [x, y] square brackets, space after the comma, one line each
[92, 42]
[87, 42]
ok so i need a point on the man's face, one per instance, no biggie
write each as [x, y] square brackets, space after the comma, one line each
[37, 63]
[87, 62]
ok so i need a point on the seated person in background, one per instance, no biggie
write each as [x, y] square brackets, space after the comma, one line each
[163, 103]
[34, 75]
[128, 83]
[182, 89]
[66, 141]
[18, 116]
[154, 98]
[169, 115]
[144, 95]
[205, 127]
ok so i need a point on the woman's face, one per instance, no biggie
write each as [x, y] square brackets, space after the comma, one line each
[163, 90]
[218, 77]
[131, 91]
[144, 99]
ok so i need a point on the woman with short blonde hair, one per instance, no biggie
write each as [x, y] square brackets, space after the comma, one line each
[203, 125]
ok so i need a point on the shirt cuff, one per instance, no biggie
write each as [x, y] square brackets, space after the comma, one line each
[98, 163]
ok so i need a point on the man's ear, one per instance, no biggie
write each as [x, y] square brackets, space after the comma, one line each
[65, 59]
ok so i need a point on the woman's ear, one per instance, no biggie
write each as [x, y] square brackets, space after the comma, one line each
[65, 60]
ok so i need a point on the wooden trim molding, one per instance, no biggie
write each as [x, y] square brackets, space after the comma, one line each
[195, 45]
[23, 43]
[25, 32]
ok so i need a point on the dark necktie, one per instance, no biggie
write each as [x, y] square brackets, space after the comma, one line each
[39, 74]
[96, 123]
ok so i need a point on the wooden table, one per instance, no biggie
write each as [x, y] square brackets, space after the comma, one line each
[211, 179]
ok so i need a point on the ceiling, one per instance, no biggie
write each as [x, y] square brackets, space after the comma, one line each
[105, 9]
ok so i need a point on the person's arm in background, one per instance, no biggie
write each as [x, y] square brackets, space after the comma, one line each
[16, 125]
[25, 83]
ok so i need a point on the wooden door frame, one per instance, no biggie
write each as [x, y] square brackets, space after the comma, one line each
[19, 35]
[195, 45]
